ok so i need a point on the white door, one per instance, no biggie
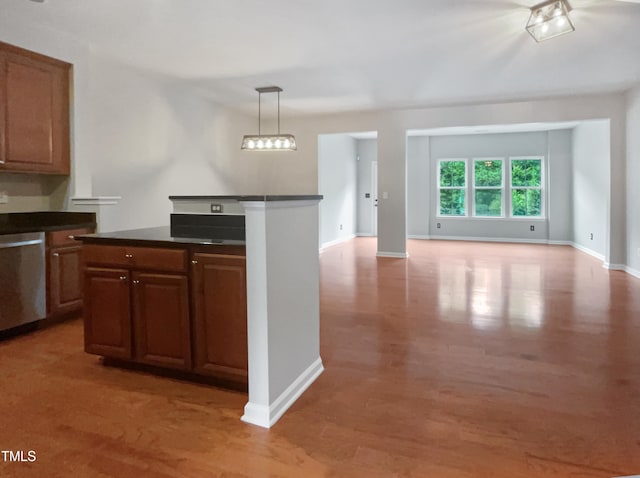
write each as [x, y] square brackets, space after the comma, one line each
[374, 195]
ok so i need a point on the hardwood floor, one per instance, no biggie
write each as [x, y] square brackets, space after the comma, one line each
[466, 360]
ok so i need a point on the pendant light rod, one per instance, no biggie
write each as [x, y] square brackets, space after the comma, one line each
[267, 89]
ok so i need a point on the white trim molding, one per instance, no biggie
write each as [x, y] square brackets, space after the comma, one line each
[586, 250]
[396, 255]
[267, 416]
[95, 200]
[634, 272]
[418, 236]
[335, 242]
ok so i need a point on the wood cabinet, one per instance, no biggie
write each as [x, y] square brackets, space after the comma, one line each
[161, 320]
[142, 306]
[107, 317]
[34, 112]
[64, 272]
[152, 326]
[220, 315]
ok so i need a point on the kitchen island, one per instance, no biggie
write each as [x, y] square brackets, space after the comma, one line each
[170, 298]
[167, 302]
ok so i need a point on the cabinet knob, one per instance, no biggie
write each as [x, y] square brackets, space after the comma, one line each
[55, 254]
[194, 262]
[136, 281]
[123, 277]
[128, 256]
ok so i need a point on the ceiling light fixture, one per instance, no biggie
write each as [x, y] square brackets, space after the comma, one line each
[269, 142]
[550, 19]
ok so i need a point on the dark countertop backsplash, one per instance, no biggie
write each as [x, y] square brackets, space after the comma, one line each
[19, 222]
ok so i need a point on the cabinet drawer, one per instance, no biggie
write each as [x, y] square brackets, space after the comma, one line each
[159, 259]
[66, 237]
[152, 258]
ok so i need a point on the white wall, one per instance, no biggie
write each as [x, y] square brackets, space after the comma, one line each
[591, 158]
[560, 184]
[337, 183]
[486, 145]
[633, 180]
[392, 126]
[419, 180]
[137, 135]
[422, 164]
[367, 154]
[152, 138]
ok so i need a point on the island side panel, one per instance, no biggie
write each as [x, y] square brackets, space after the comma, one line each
[283, 305]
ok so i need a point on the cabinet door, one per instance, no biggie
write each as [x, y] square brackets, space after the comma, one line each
[35, 99]
[220, 319]
[65, 279]
[107, 318]
[161, 320]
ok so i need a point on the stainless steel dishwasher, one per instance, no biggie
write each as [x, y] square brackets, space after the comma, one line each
[22, 279]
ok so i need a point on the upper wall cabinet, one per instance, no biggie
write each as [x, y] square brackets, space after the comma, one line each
[34, 112]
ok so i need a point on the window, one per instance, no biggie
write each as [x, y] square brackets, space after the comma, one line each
[497, 187]
[487, 187]
[526, 187]
[452, 187]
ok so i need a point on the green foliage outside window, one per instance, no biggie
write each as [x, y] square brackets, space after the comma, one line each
[488, 182]
[452, 174]
[489, 202]
[526, 182]
[452, 184]
[488, 173]
[452, 202]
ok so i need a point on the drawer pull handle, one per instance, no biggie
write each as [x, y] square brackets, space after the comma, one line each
[194, 262]
[136, 281]
[72, 237]
[123, 277]
[128, 256]
[55, 254]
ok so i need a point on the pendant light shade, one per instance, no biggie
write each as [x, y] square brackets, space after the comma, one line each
[550, 19]
[269, 142]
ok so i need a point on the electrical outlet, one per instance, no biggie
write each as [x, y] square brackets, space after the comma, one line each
[4, 197]
[532, 227]
[216, 208]
[591, 236]
[367, 195]
[341, 227]
[385, 195]
[438, 226]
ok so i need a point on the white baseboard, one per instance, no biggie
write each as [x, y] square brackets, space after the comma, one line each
[397, 255]
[560, 243]
[335, 242]
[418, 236]
[614, 267]
[490, 239]
[586, 250]
[365, 234]
[267, 416]
[633, 272]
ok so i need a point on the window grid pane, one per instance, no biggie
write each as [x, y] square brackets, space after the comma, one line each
[488, 202]
[453, 183]
[526, 187]
[487, 173]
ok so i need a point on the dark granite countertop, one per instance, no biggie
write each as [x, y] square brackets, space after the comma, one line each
[20, 222]
[255, 197]
[153, 236]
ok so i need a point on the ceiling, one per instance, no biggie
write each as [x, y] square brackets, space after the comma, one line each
[337, 55]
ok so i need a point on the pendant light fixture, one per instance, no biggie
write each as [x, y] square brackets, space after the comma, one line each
[269, 142]
[550, 19]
